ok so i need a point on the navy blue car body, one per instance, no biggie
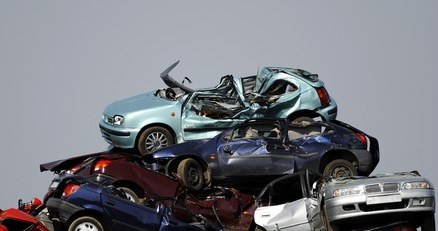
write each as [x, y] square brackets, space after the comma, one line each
[267, 148]
[79, 203]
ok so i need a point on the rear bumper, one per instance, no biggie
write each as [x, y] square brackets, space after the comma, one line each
[62, 210]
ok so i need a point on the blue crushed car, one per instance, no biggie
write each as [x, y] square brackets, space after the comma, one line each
[79, 204]
[176, 114]
[260, 150]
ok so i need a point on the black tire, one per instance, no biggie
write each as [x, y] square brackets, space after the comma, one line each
[428, 222]
[85, 224]
[191, 173]
[130, 194]
[154, 138]
[339, 168]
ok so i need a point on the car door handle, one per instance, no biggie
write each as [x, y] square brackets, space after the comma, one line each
[111, 202]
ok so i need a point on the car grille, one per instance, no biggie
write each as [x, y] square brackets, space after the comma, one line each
[385, 187]
[387, 206]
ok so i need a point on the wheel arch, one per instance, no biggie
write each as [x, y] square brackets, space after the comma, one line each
[166, 126]
[131, 185]
[337, 154]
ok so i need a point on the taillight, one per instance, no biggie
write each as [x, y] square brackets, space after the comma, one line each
[361, 137]
[323, 96]
[70, 189]
[404, 228]
[74, 169]
[101, 165]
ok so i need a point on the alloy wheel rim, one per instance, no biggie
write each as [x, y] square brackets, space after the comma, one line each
[86, 226]
[155, 141]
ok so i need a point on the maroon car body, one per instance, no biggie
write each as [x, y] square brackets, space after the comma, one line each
[126, 171]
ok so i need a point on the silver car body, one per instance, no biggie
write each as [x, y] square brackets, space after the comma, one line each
[400, 193]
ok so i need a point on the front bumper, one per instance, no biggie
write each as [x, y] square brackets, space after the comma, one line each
[118, 137]
[62, 210]
[347, 207]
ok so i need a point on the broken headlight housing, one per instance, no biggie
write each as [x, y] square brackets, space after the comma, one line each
[416, 185]
[347, 191]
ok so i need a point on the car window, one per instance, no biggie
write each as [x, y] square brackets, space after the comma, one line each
[215, 106]
[296, 132]
[280, 87]
[284, 191]
[255, 131]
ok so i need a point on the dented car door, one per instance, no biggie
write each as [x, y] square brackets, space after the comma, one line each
[254, 150]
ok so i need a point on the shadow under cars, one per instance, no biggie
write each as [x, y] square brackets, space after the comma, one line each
[163, 117]
[126, 172]
[259, 150]
[79, 204]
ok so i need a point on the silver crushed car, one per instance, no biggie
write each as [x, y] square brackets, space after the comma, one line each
[380, 198]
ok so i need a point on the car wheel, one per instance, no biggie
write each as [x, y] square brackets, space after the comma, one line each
[85, 224]
[130, 195]
[340, 168]
[191, 173]
[428, 222]
[154, 138]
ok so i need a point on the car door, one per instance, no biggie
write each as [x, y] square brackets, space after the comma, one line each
[308, 141]
[255, 149]
[292, 207]
[206, 115]
[127, 215]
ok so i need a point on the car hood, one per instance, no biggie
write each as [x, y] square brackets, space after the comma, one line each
[137, 103]
[68, 163]
[189, 147]
[360, 181]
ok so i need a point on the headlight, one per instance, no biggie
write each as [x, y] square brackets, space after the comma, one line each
[416, 185]
[347, 191]
[118, 120]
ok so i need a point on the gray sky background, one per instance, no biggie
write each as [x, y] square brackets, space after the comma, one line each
[62, 62]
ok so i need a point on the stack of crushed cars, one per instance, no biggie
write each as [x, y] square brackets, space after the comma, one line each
[262, 152]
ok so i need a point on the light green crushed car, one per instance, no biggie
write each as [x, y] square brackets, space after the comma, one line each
[160, 118]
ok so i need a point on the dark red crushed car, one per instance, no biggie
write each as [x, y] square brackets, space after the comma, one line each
[231, 208]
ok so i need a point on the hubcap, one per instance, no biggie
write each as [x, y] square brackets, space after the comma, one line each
[86, 226]
[155, 141]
